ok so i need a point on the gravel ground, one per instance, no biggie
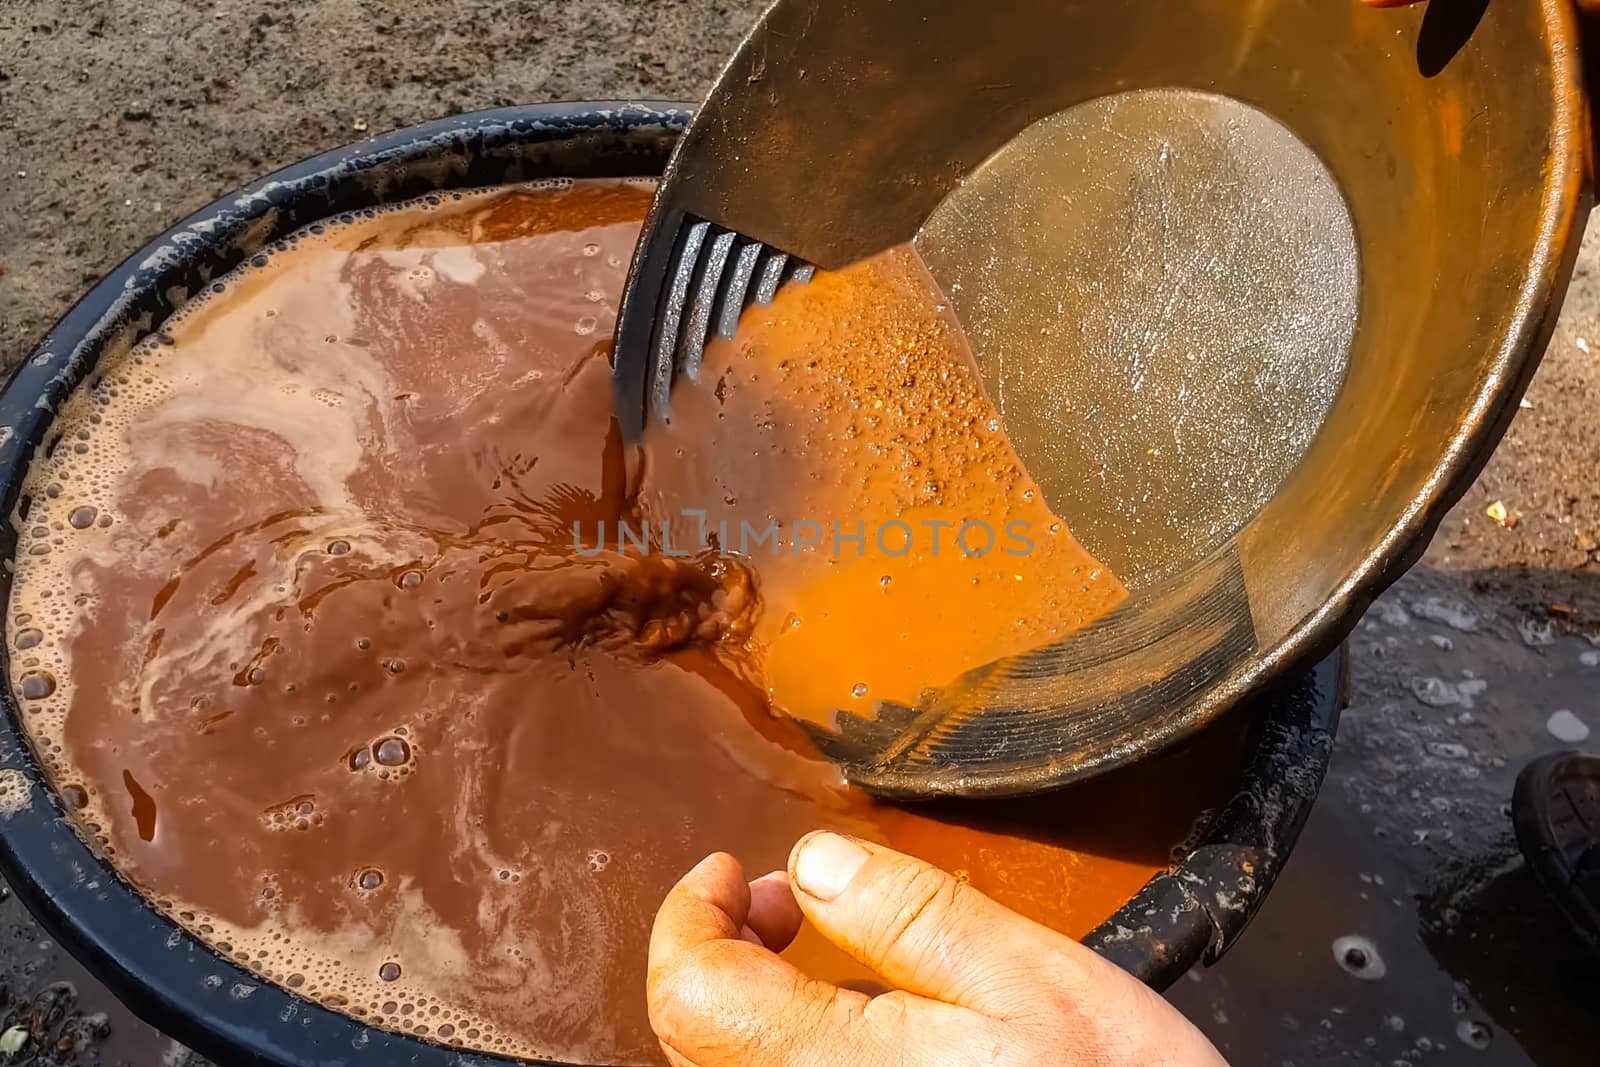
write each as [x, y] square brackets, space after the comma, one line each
[118, 117]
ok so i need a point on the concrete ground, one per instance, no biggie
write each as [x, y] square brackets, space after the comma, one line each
[118, 117]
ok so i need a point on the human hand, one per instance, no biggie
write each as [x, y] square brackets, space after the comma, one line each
[977, 983]
[1583, 6]
[1588, 32]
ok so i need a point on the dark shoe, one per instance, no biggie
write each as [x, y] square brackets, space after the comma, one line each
[1556, 812]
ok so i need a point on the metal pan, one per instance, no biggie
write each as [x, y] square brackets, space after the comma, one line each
[1256, 286]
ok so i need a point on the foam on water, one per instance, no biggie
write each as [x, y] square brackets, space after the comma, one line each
[302, 635]
[328, 412]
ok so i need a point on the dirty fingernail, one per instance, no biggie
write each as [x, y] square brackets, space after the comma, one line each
[827, 863]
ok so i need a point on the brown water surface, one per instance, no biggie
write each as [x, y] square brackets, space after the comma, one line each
[321, 621]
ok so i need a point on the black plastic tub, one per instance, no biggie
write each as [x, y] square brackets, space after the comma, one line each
[1189, 915]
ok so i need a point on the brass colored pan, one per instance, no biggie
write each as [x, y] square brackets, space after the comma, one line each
[1257, 285]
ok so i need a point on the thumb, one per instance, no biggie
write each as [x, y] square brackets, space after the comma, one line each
[928, 933]
[717, 998]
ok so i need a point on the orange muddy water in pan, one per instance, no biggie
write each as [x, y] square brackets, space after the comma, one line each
[321, 625]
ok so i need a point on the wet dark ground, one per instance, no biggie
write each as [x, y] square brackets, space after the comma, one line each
[120, 116]
[1410, 849]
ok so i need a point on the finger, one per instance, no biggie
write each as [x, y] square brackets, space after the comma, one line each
[711, 902]
[928, 933]
[715, 999]
[728, 1003]
[775, 916]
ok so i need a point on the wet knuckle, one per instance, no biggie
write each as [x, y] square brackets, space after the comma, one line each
[688, 984]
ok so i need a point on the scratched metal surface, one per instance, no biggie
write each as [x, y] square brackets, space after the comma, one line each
[1161, 289]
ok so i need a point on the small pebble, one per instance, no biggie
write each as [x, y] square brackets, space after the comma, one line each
[1567, 728]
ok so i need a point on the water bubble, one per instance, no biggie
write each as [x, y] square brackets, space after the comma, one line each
[361, 759]
[1537, 633]
[1437, 693]
[586, 325]
[591, 249]
[369, 879]
[36, 685]
[1449, 612]
[389, 971]
[859, 690]
[409, 579]
[599, 860]
[884, 581]
[28, 638]
[339, 548]
[76, 797]
[1474, 1034]
[392, 752]
[82, 518]
[1359, 957]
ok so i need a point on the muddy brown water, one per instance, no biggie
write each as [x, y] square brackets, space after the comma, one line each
[317, 626]
[242, 103]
